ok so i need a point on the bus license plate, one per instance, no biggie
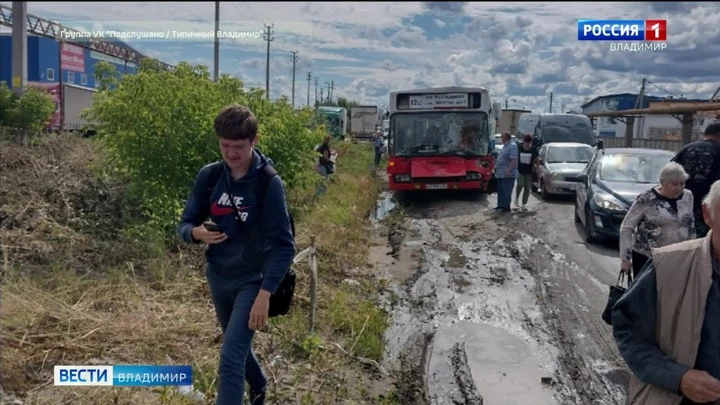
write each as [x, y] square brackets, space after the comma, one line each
[436, 186]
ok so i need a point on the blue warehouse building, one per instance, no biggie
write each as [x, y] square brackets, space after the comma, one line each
[44, 59]
[609, 126]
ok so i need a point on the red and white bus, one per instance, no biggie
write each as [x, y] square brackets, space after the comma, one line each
[439, 139]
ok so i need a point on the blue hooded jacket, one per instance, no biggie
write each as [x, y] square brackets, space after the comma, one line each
[241, 253]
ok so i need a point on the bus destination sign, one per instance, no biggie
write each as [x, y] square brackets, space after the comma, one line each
[430, 101]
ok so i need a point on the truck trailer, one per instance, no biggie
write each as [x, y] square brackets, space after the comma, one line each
[363, 122]
[70, 101]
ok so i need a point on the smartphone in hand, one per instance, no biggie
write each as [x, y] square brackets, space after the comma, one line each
[211, 227]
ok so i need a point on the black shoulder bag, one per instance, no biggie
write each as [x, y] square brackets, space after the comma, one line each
[616, 292]
[281, 300]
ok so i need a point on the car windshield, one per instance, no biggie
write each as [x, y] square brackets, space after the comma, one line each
[440, 133]
[570, 154]
[557, 133]
[632, 168]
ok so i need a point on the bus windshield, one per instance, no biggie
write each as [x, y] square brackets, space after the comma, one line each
[440, 133]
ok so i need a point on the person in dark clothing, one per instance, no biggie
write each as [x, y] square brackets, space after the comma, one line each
[326, 166]
[667, 325]
[378, 146]
[701, 160]
[249, 256]
[527, 156]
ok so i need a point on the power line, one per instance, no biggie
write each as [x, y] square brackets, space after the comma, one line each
[661, 89]
[294, 60]
[268, 38]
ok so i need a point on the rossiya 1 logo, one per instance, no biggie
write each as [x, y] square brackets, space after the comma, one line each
[627, 35]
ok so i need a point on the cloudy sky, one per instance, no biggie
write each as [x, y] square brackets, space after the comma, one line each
[519, 51]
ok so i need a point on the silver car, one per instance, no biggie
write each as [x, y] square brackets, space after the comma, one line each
[558, 165]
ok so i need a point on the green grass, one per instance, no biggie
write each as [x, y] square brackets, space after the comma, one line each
[83, 295]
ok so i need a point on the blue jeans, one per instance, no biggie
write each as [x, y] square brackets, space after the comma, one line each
[504, 191]
[378, 155]
[233, 298]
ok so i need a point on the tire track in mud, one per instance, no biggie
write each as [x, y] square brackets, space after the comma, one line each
[432, 307]
[590, 372]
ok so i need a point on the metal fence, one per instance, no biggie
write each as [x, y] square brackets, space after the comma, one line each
[619, 142]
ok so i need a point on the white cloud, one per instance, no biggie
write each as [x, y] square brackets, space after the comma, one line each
[520, 51]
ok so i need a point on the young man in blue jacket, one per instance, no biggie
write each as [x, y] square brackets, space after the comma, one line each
[248, 254]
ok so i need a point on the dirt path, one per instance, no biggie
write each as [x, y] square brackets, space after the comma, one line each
[495, 307]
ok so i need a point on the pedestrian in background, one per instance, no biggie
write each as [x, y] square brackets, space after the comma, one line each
[526, 156]
[250, 246]
[326, 166]
[379, 145]
[506, 171]
[659, 217]
[701, 160]
[667, 325]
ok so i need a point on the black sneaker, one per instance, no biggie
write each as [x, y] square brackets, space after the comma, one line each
[256, 398]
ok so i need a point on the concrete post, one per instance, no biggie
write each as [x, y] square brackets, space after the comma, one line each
[687, 127]
[629, 129]
[19, 47]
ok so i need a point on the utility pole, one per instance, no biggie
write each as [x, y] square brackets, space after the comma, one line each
[551, 97]
[294, 60]
[19, 67]
[506, 104]
[309, 76]
[321, 96]
[217, 40]
[268, 38]
[630, 121]
[328, 91]
[332, 89]
[316, 89]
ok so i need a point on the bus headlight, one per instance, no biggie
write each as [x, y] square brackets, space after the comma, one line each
[402, 178]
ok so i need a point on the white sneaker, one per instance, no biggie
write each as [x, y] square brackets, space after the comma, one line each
[517, 204]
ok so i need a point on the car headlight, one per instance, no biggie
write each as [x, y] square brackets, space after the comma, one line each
[609, 203]
[556, 176]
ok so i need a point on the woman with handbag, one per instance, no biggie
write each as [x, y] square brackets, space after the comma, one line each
[660, 216]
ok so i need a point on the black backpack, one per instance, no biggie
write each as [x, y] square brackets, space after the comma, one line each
[281, 300]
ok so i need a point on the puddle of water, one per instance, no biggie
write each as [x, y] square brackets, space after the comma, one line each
[457, 259]
[384, 205]
[504, 368]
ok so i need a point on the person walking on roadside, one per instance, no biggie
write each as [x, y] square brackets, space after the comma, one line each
[667, 325]
[250, 246]
[526, 156]
[378, 145]
[701, 160]
[659, 217]
[326, 166]
[506, 171]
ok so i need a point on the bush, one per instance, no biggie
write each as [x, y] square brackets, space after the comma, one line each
[28, 112]
[157, 127]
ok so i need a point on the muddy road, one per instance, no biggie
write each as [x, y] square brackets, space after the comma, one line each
[491, 308]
